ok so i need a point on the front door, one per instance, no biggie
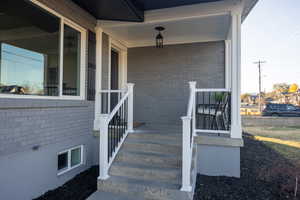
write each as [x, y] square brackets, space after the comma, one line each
[114, 78]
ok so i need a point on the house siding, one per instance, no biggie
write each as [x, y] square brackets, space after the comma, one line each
[50, 125]
[161, 78]
[105, 61]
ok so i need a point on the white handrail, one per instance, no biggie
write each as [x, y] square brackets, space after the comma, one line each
[212, 90]
[112, 91]
[109, 92]
[188, 140]
[105, 160]
[115, 110]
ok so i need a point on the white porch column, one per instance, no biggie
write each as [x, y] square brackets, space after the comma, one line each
[130, 107]
[103, 151]
[228, 63]
[186, 154]
[99, 32]
[236, 125]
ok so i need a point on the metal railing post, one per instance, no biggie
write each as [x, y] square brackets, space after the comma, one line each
[130, 107]
[186, 154]
[103, 151]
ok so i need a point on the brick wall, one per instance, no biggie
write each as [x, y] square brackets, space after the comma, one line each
[161, 78]
[25, 123]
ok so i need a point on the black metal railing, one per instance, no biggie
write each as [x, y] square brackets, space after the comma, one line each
[117, 129]
[213, 110]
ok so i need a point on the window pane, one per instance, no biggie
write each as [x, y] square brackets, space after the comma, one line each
[62, 161]
[75, 157]
[71, 67]
[29, 50]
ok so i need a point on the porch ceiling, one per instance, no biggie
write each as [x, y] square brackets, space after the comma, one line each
[130, 10]
[204, 29]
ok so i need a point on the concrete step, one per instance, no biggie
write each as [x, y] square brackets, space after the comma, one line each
[149, 159]
[144, 172]
[156, 136]
[149, 190]
[154, 146]
[155, 140]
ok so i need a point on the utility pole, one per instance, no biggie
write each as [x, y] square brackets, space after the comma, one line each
[259, 71]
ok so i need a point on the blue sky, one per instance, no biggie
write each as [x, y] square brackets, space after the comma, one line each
[21, 67]
[271, 33]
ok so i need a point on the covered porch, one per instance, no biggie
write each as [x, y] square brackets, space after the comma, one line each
[192, 85]
[198, 46]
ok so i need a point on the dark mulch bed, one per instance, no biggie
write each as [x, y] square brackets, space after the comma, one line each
[265, 175]
[79, 188]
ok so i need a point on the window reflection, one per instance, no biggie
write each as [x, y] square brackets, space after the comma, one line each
[71, 66]
[29, 50]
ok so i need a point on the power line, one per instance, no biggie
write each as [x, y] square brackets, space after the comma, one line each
[259, 71]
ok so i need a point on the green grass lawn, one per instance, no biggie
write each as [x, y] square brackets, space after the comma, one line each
[284, 133]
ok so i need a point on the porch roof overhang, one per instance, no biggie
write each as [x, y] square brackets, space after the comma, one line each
[202, 22]
[130, 10]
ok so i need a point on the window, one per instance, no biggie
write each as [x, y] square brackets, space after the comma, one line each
[62, 161]
[40, 54]
[71, 66]
[291, 107]
[69, 159]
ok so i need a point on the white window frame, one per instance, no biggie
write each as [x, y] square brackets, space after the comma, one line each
[69, 153]
[83, 48]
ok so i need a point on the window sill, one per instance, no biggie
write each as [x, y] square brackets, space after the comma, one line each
[69, 169]
[16, 96]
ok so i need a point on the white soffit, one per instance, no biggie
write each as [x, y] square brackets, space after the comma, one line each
[204, 29]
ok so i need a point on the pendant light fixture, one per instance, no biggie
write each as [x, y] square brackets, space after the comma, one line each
[159, 37]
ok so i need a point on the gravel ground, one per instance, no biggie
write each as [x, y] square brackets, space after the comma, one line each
[265, 175]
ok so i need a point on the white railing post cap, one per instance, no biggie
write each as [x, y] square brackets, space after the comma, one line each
[192, 84]
[186, 118]
[130, 85]
[104, 116]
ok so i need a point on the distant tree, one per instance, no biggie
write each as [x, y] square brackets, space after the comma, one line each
[281, 87]
[293, 88]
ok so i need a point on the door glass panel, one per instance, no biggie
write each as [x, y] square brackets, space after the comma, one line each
[114, 80]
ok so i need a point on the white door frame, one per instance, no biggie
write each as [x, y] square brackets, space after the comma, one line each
[122, 50]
